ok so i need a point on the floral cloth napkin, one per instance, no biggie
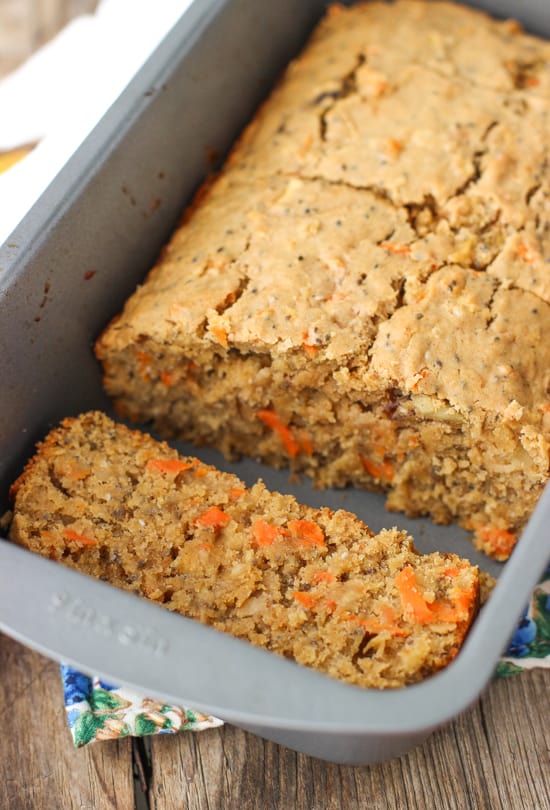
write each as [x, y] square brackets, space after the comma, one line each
[97, 710]
[100, 711]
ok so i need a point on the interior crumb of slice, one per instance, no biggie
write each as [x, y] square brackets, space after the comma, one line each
[316, 586]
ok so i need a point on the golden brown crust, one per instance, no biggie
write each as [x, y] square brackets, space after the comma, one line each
[371, 266]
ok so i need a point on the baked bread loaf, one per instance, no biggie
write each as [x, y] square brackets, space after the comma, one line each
[314, 585]
[364, 292]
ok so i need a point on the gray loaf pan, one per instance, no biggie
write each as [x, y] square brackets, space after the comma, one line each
[64, 273]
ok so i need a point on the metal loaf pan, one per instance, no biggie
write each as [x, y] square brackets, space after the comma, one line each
[64, 272]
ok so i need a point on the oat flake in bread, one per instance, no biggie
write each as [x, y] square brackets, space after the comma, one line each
[314, 585]
[364, 292]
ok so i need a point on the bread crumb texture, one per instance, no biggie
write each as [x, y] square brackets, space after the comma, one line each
[316, 586]
[364, 291]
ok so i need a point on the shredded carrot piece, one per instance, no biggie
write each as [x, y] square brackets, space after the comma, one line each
[310, 349]
[323, 576]
[525, 253]
[414, 605]
[396, 247]
[500, 541]
[395, 147]
[270, 418]
[304, 598]
[205, 546]
[167, 378]
[144, 357]
[457, 609]
[75, 472]
[384, 470]
[201, 471]
[416, 608]
[335, 296]
[330, 605]
[235, 493]
[220, 334]
[418, 377]
[306, 533]
[145, 360]
[213, 518]
[169, 465]
[75, 537]
[463, 598]
[264, 533]
[452, 572]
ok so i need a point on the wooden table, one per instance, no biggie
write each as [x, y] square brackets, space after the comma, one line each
[494, 757]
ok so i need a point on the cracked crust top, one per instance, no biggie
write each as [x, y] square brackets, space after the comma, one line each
[389, 203]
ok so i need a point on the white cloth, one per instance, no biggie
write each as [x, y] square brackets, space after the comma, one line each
[61, 92]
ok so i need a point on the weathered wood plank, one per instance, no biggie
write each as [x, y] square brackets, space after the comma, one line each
[39, 767]
[494, 757]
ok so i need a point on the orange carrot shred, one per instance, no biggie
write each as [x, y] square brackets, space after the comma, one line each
[145, 360]
[167, 378]
[421, 375]
[310, 349]
[456, 610]
[306, 533]
[236, 493]
[304, 598]
[396, 247]
[270, 418]
[169, 465]
[525, 253]
[75, 472]
[264, 533]
[395, 147]
[384, 470]
[75, 537]
[144, 357]
[414, 604]
[220, 334]
[452, 572]
[213, 518]
[323, 576]
[500, 541]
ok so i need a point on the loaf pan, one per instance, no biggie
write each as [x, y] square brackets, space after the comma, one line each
[64, 273]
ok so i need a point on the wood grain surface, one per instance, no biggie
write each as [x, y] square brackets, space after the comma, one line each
[494, 757]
